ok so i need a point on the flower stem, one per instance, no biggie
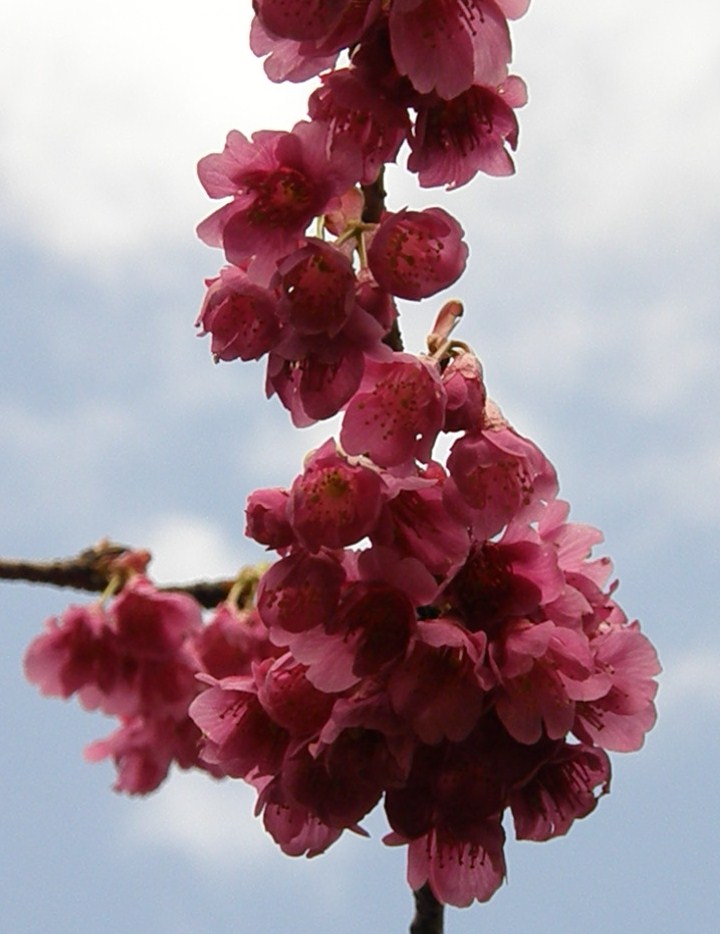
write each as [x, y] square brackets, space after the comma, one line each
[428, 913]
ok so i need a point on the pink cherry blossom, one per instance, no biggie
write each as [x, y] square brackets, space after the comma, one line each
[299, 592]
[334, 502]
[296, 830]
[397, 413]
[313, 386]
[447, 45]
[289, 59]
[436, 689]
[370, 631]
[414, 522]
[144, 748]
[240, 737]
[466, 395]
[317, 288]
[278, 182]
[266, 516]
[241, 317]
[620, 718]
[353, 109]
[453, 140]
[415, 254]
[499, 475]
[561, 791]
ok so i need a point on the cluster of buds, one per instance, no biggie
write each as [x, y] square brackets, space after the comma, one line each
[433, 635]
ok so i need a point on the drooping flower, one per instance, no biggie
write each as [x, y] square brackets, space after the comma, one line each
[353, 109]
[453, 140]
[240, 316]
[447, 45]
[317, 289]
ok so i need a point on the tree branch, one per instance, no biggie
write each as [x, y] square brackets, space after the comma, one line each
[428, 913]
[93, 569]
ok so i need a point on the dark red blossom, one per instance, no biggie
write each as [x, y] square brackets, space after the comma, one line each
[354, 109]
[453, 140]
[447, 45]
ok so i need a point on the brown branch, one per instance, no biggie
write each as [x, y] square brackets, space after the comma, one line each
[428, 913]
[94, 568]
[375, 195]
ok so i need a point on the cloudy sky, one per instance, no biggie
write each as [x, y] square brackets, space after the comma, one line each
[592, 297]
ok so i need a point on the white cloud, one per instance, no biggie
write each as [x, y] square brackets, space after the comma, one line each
[210, 823]
[186, 547]
[691, 681]
[107, 108]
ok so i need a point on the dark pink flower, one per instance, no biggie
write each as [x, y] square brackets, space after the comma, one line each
[298, 593]
[353, 109]
[369, 632]
[278, 182]
[510, 578]
[266, 515]
[74, 651]
[241, 317]
[301, 20]
[447, 45]
[466, 395]
[500, 475]
[415, 254]
[415, 522]
[291, 700]
[459, 871]
[240, 737]
[315, 385]
[144, 748]
[289, 59]
[334, 503]
[231, 641]
[453, 140]
[296, 830]
[317, 289]
[397, 413]
[543, 670]
[435, 689]
[619, 719]
[131, 658]
[342, 782]
[562, 790]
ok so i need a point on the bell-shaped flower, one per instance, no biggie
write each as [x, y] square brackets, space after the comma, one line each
[240, 316]
[453, 140]
[334, 502]
[415, 254]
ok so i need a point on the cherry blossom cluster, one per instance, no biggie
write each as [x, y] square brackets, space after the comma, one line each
[443, 662]
[136, 657]
[433, 634]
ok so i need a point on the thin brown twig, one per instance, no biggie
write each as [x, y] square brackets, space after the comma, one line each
[93, 569]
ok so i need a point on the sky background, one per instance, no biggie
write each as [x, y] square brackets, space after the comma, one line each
[592, 298]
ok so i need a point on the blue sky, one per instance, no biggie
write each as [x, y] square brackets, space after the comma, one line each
[591, 296]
